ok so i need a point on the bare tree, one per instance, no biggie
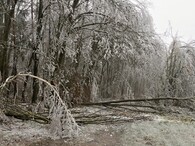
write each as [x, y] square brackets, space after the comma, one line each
[8, 10]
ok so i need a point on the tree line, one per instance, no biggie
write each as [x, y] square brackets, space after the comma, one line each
[90, 50]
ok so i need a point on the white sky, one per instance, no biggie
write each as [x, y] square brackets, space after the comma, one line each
[180, 14]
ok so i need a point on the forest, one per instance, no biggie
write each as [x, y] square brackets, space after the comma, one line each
[66, 53]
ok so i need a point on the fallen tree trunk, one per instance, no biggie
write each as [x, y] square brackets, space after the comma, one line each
[139, 104]
[134, 100]
[20, 113]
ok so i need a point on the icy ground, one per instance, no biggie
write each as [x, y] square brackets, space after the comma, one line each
[148, 129]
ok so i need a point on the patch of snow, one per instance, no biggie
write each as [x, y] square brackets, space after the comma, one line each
[24, 130]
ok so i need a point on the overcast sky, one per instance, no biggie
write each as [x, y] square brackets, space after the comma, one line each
[180, 14]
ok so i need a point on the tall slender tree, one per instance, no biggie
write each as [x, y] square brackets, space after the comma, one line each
[36, 49]
[8, 15]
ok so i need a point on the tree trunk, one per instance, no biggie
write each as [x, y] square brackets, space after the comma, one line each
[35, 53]
[6, 21]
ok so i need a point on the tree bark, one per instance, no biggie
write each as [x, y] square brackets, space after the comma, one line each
[4, 56]
[35, 53]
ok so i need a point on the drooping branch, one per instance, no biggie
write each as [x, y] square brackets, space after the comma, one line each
[64, 116]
